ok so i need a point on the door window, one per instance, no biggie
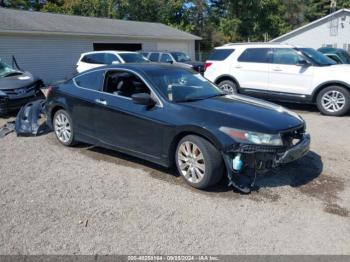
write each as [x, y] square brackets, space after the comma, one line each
[165, 58]
[110, 58]
[94, 58]
[154, 57]
[124, 84]
[92, 80]
[255, 55]
[285, 56]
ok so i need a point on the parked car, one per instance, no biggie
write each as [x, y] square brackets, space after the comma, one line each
[282, 73]
[340, 56]
[17, 88]
[174, 58]
[172, 115]
[102, 58]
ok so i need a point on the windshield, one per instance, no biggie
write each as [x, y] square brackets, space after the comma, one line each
[345, 56]
[180, 57]
[181, 85]
[317, 57]
[133, 58]
[5, 69]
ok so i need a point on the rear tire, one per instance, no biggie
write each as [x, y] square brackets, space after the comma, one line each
[333, 101]
[63, 127]
[228, 86]
[199, 162]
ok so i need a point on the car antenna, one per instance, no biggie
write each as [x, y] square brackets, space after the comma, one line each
[14, 63]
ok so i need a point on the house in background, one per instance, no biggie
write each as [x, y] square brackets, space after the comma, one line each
[332, 30]
[49, 45]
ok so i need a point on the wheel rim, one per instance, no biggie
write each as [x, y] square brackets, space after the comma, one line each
[333, 101]
[228, 89]
[62, 128]
[191, 162]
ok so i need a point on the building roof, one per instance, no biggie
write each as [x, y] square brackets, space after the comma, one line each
[18, 21]
[315, 23]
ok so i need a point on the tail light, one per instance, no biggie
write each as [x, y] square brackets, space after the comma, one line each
[206, 65]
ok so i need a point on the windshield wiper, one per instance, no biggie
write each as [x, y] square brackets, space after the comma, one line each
[198, 98]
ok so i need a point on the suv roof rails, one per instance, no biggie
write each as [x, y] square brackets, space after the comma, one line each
[253, 43]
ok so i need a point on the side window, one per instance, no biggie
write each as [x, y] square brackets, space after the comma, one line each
[94, 58]
[335, 58]
[165, 58]
[124, 84]
[154, 57]
[92, 80]
[220, 54]
[255, 55]
[285, 56]
[110, 58]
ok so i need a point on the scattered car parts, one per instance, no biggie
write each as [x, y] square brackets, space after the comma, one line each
[30, 120]
[6, 129]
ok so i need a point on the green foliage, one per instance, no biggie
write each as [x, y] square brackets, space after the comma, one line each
[216, 21]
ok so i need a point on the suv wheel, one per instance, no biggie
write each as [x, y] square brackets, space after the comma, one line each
[198, 162]
[333, 101]
[228, 86]
[63, 127]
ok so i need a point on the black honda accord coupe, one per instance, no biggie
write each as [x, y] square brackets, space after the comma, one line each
[171, 115]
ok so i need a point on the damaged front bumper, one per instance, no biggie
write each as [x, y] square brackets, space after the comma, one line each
[255, 159]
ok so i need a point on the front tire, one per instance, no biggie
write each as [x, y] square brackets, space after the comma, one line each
[198, 162]
[333, 101]
[229, 87]
[63, 127]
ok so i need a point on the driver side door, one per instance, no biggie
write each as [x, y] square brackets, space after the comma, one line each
[122, 124]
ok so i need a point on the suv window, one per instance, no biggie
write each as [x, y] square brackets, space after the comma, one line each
[255, 55]
[92, 80]
[220, 54]
[133, 58]
[165, 58]
[94, 58]
[154, 57]
[110, 58]
[285, 56]
[124, 84]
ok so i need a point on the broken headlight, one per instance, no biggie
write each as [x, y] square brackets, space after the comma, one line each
[244, 136]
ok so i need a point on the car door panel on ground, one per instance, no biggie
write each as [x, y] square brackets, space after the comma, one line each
[135, 127]
[252, 68]
[286, 75]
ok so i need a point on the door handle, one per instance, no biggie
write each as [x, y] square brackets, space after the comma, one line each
[101, 101]
[238, 66]
[277, 69]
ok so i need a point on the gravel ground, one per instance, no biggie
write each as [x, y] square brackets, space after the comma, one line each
[87, 200]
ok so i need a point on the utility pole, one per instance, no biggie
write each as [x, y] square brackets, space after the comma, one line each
[333, 5]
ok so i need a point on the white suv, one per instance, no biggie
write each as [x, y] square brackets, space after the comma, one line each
[282, 73]
[101, 58]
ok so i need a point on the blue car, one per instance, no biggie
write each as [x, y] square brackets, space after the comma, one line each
[171, 115]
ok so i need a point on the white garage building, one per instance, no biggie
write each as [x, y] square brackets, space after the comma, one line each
[49, 45]
[332, 30]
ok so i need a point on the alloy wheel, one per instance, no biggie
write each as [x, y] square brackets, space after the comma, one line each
[62, 127]
[333, 101]
[228, 89]
[191, 162]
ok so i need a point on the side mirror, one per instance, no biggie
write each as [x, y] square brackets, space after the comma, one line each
[303, 62]
[115, 62]
[143, 99]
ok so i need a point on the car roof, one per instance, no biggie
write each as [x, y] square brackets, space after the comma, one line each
[109, 51]
[254, 44]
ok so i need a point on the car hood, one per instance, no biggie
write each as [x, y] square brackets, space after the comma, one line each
[338, 68]
[17, 81]
[247, 113]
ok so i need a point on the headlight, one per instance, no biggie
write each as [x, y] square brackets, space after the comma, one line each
[244, 136]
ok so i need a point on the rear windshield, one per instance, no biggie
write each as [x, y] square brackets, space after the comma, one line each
[220, 54]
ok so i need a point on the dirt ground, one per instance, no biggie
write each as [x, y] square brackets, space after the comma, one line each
[88, 200]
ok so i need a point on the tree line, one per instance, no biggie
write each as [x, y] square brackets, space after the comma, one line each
[216, 21]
